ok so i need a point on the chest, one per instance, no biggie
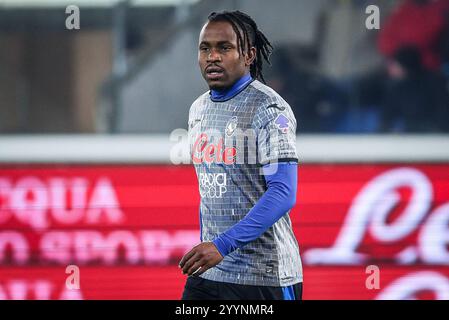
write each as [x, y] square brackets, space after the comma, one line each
[224, 119]
[217, 129]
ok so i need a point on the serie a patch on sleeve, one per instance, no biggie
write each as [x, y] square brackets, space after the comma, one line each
[282, 122]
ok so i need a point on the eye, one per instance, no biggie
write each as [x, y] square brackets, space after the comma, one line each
[204, 49]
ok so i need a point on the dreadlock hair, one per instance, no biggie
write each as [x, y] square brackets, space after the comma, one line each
[248, 35]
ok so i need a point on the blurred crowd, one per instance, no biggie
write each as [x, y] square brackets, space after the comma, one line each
[408, 92]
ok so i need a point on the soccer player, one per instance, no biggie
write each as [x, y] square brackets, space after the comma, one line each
[248, 249]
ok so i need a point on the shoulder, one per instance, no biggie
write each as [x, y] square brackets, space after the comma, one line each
[263, 89]
[270, 104]
[198, 103]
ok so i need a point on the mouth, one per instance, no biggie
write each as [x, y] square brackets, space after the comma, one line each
[214, 73]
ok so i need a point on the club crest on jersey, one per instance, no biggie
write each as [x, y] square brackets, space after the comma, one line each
[282, 123]
[231, 126]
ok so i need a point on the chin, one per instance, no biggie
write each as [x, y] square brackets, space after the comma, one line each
[216, 86]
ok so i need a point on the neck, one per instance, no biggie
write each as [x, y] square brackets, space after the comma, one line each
[235, 89]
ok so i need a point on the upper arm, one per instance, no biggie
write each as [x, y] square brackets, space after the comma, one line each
[283, 178]
[275, 126]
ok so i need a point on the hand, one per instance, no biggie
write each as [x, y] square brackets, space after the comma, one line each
[201, 258]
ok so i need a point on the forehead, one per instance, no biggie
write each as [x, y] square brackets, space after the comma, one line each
[217, 31]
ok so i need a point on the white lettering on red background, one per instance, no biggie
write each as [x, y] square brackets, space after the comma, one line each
[406, 287]
[39, 289]
[17, 243]
[369, 212]
[142, 247]
[42, 205]
[36, 203]
[84, 246]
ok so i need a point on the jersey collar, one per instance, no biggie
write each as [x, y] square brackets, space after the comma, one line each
[237, 87]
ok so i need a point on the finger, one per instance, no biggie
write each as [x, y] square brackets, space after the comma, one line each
[195, 267]
[203, 269]
[189, 263]
[196, 271]
[186, 257]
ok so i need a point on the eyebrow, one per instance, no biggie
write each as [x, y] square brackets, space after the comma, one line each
[218, 43]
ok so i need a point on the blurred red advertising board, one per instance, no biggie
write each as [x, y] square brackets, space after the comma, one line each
[126, 226]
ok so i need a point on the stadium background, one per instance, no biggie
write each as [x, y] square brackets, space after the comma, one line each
[87, 147]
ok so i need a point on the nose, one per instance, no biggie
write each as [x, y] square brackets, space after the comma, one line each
[213, 56]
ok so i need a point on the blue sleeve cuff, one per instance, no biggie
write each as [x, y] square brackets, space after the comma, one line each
[222, 246]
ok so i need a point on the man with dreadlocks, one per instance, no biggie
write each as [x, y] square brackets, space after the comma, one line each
[242, 142]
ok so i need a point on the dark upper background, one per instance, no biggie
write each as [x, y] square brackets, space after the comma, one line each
[132, 66]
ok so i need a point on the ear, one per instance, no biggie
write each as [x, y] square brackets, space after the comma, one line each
[250, 56]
